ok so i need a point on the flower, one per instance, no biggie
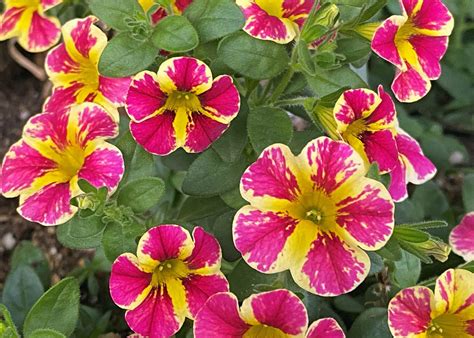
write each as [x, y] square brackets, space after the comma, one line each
[412, 166]
[170, 278]
[73, 69]
[366, 121]
[277, 313]
[158, 14]
[312, 214]
[449, 312]
[462, 238]
[180, 5]
[26, 20]
[180, 106]
[274, 20]
[57, 150]
[415, 42]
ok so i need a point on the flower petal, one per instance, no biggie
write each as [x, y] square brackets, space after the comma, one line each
[201, 132]
[222, 101]
[9, 22]
[261, 237]
[380, 147]
[48, 128]
[410, 85]
[325, 328]
[383, 42]
[114, 89]
[62, 98]
[180, 5]
[128, 284]
[155, 317]
[434, 17]
[331, 267]
[454, 293]
[43, 33]
[398, 183]
[220, 318]
[409, 312]
[206, 255]
[185, 74]
[462, 238]
[84, 40]
[384, 116]
[410, 7]
[199, 288]
[144, 97]
[353, 105]
[157, 134]
[430, 50]
[60, 66]
[280, 309]
[47, 4]
[366, 211]
[163, 242]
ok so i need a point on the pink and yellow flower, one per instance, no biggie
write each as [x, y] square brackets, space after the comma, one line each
[366, 121]
[313, 214]
[277, 313]
[412, 166]
[158, 14]
[57, 150]
[26, 20]
[415, 42]
[462, 238]
[180, 106]
[72, 67]
[169, 279]
[449, 312]
[275, 20]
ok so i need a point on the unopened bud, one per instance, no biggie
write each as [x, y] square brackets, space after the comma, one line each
[367, 30]
[436, 248]
[325, 118]
[320, 22]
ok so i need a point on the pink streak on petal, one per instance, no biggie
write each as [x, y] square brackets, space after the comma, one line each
[103, 168]
[182, 4]
[62, 99]
[47, 126]
[271, 176]
[383, 42]
[220, 318]
[462, 238]
[206, 252]
[264, 26]
[202, 131]
[9, 19]
[95, 123]
[43, 33]
[114, 89]
[48, 206]
[84, 41]
[433, 15]
[411, 151]
[430, 50]
[297, 10]
[156, 134]
[222, 99]
[356, 102]
[155, 316]
[163, 242]
[144, 97]
[409, 312]
[385, 112]
[325, 328]
[261, 236]
[187, 73]
[58, 60]
[381, 147]
[127, 282]
[200, 287]
[409, 5]
[280, 309]
[158, 15]
[398, 183]
[410, 85]
[47, 4]
[332, 266]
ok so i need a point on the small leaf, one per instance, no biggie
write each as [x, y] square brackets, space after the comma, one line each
[81, 233]
[425, 225]
[57, 309]
[27, 254]
[326, 82]
[115, 13]
[391, 250]
[198, 208]
[175, 34]
[410, 234]
[407, 270]
[120, 238]
[245, 281]
[46, 333]
[371, 323]
[267, 125]
[141, 194]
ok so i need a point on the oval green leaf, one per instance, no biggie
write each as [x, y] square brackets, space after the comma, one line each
[175, 34]
[267, 126]
[141, 194]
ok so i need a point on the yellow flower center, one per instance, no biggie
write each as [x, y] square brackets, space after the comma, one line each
[264, 331]
[183, 101]
[319, 209]
[70, 161]
[405, 32]
[168, 270]
[272, 7]
[446, 325]
[355, 129]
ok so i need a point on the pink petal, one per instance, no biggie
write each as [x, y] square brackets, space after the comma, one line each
[206, 252]
[454, 294]
[409, 311]
[435, 16]
[430, 50]
[48, 126]
[220, 318]
[83, 39]
[398, 183]
[325, 328]
[408, 6]
[462, 238]
[296, 10]
[410, 85]
[200, 287]
[380, 147]
[261, 237]
[185, 74]
[47, 4]
[222, 101]
[383, 42]
[62, 98]
[181, 5]
[43, 33]
[355, 104]
[385, 113]
[114, 89]
[201, 132]
[58, 60]
[8, 22]
[128, 284]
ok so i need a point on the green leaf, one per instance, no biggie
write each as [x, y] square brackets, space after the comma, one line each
[426, 225]
[57, 309]
[468, 192]
[431, 199]
[214, 19]
[46, 333]
[22, 288]
[304, 58]
[268, 125]
[245, 281]
[7, 321]
[81, 233]
[234, 199]
[372, 10]
[223, 232]
[346, 303]
[391, 250]
[198, 208]
[407, 270]
[125, 56]
[141, 194]
[253, 58]
[326, 82]
[371, 323]
[175, 34]
[115, 13]
[410, 234]
[120, 238]
[26, 253]
[354, 48]
[209, 175]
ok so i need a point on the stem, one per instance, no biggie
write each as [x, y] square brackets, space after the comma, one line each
[461, 25]
[24, 62]
[285, 79]
[297, 101]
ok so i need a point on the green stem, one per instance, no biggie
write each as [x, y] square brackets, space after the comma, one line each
[458, 33]
[285, 80]
[297, 101]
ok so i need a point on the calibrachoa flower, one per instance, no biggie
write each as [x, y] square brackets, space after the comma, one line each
[412, 166]
[180, 106]
[275, 20]
[462, 238]
[26, 20]
[170, 278]
[57, 150]
[366, 121]
[415, 42]
[449, 312]
[73, 69]
[277, 313]
[312, 214]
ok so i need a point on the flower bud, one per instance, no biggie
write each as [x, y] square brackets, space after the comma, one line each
[367, 30]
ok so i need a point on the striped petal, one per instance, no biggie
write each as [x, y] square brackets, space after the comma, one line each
[325, 328]
[43, 33]
[430, 16]
[384, 115]
[9, 22]
[220, 318]
[462, 238]
[180, 5]
[380, 147]
[201, 132]
[354, 105]
[114, 89]
[47, 4]
[222, 101]
[278, 309]
[398, 182]
[430, 51]
[383, 42]
[128, 284]
[409, 312]
[206, 255]
[410, 85]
